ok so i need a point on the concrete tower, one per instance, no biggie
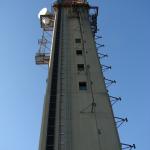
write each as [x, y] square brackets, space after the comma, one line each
[77, 112]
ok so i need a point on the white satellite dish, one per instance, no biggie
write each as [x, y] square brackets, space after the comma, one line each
[44, 11]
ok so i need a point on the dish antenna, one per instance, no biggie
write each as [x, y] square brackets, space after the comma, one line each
[43, 12]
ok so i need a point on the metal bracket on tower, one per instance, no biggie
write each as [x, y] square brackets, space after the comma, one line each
[114, 99]
[120, 121]
[99, 45]
[105, 67]
[128, 146]
[97, 37]
[101, 55]
[109, 82]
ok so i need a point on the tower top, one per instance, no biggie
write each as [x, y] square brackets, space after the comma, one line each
[70, 3]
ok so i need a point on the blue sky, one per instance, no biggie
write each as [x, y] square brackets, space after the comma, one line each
[124, 25]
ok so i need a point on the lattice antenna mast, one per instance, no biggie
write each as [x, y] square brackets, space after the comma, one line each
[47, 24]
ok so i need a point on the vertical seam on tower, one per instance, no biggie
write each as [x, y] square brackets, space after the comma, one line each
[53, 92]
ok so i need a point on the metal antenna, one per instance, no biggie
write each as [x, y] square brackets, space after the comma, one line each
[105, 68]
[128, 146]
[109, 82]
[120, 121]
[114, 99]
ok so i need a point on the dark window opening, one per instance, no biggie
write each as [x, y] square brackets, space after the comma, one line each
[82, 86]
[78, 40]
[79, 52]
[80, 67]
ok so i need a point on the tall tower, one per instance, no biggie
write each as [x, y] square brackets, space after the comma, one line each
[77, 113]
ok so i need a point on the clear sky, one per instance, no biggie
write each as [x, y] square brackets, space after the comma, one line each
[125, 27]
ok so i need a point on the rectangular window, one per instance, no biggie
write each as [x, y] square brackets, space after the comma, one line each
[79, 52]
[82, 86]
[80, 67]
[78, 40]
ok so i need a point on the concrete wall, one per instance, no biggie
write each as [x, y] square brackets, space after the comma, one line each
[77, 128]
